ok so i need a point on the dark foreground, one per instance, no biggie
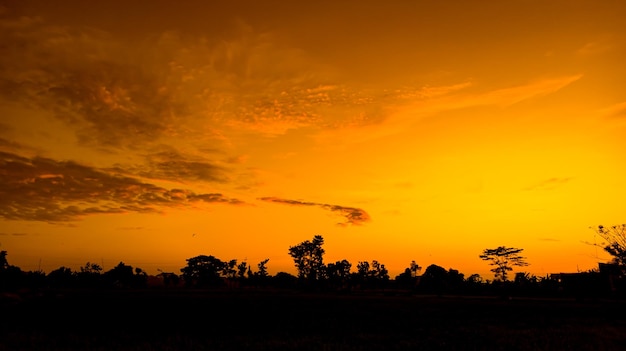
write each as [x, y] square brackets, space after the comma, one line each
[264, 320]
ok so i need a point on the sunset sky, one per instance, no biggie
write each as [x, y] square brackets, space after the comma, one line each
[153, 131]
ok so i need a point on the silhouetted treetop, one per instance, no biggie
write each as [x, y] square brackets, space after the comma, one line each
[3, 260]
[503, 258]
[308, 258]
[204, 271]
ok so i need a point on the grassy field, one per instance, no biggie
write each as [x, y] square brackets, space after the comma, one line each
[266, 320]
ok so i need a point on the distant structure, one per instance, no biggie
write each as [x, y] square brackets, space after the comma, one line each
[607, 280]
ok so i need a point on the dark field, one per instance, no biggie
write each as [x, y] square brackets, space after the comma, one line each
[264, 320]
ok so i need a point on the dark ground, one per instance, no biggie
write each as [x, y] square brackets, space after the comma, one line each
[279, 320]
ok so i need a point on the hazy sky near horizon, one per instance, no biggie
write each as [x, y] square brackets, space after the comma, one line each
[150, 132]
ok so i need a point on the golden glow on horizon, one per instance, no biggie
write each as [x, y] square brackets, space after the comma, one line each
[398, 131]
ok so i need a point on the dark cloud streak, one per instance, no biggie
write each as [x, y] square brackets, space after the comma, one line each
[353, 215]
[176, 166]
[43, 189]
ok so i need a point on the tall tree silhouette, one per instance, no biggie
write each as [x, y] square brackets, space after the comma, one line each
[503, 258]
[308, 258]
[262, 273]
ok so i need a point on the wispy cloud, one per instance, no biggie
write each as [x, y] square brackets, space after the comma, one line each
[404, 113]
[353, 215]
[548, 184]
[548, 239]
[43, 189]
[538, 88]
[499, 97]
[615, 111]
[594, 48]
[14, 234]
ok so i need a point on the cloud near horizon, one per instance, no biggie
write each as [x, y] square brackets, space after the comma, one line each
[353, 215]
[43, 189]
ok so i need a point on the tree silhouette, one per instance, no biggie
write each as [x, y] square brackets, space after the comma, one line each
[615, 237]
[169, 278]
[414, 268]
[61, 277]
[122, 276]
[241, 270]
[4, 264]
[338, 274]
[284, 280]
[374, 275]
[474, 279]
[363, 269]
[503, 258]
[202, 271]
[91, 268]
[90, 275]
[434, 279]
[262, 273]
[229, 270]
[308, 258]
[261, 276]
[409, 278]
[11, 277]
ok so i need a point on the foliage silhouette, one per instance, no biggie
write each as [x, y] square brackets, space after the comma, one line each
[503, 258]
[409, 278]
[61, 277]
[284, 280]
[372, 276]
[615, 237]
[261, 276]
[122, 276]
[338, 274]
[4, 264]
[228, 270]
[262, 273]
[209, 271]
[434, 280]
[169, 278]
[11, 277]
[242, 268]
[308, 259]
[204, 271]
[89, 276]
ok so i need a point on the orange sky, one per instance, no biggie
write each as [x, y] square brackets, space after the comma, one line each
[150, 132]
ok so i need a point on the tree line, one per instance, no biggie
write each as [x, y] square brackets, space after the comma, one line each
[207, 271]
